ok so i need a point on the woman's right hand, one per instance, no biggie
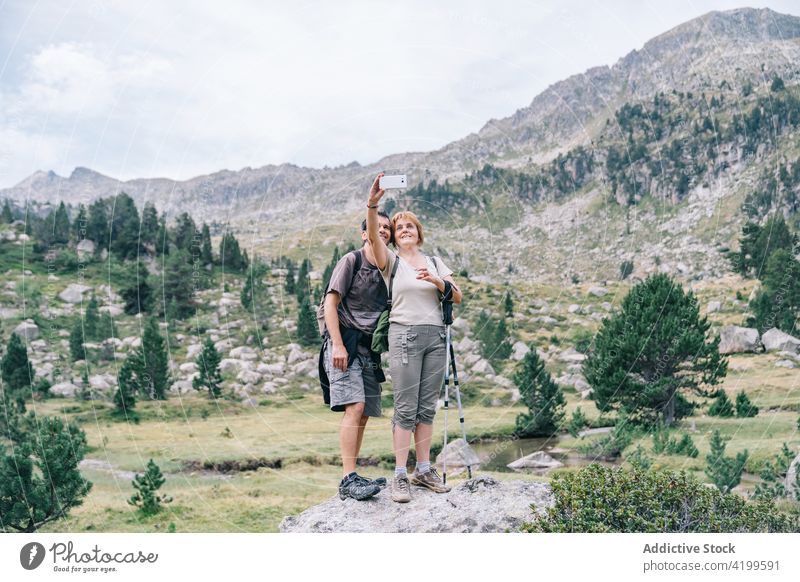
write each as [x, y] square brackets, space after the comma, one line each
[375, 193]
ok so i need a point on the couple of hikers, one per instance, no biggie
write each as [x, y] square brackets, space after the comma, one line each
[355, 298]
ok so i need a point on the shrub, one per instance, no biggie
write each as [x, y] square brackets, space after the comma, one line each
[145, 498]
[39, 477]
[744, 407]
[639, 459]
[724, 472]
[577, 422]
[722, 406]
[600, 499]
[773, 476]
[610, 446]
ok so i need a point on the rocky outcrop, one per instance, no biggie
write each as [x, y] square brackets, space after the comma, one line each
[775, 339]
[735, 340]
[537, 460]
[27, 330]
[73, 293]
[478, 505]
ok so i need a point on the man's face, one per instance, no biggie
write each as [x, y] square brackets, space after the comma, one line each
[384, 230]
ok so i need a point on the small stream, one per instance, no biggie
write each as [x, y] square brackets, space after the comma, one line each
[496, 455]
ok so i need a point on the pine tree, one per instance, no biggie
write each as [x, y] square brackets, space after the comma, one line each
[725, 472]
[125, 226]
[653, 350]
[61, 225]
[97, 229]
[135, 290]
[163, 237]
[289, 285]
[16, 368]
[773, 476]
[206, 254]
[39, 477]
[152, 370]
[178, 285]
[778, 302]
[92, 319]
[307, 328]
[230, 254]
[146, 499]
[185, 233]
[8, 216]
[744, 407]
[509, 305]
[208, 376]
[252, 295]
[326, 274]
[149, 231]
[76, 348]
[501, 342]
[127, 386]
[542, 396]
[80, 224]
[303, 286]
[722, 406]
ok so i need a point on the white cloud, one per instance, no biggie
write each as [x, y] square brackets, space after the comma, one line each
[149, 88]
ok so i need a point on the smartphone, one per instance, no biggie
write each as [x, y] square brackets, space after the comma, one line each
[389, 182]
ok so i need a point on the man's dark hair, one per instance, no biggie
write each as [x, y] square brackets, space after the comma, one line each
[380, 213]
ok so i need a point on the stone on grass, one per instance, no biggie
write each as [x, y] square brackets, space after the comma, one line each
[737, 340]
[537, 460]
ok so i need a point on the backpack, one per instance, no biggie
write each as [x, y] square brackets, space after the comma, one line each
[324, 383]
[321, 307]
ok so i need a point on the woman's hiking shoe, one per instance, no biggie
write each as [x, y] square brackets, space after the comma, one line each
[431, 480]
[357, 488]
[401, 491]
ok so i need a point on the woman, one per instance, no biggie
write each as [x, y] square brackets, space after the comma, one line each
[417, 355]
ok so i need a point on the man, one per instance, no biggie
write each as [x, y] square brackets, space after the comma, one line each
[353, 303]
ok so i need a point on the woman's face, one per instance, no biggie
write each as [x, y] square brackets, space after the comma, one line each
[405, 233]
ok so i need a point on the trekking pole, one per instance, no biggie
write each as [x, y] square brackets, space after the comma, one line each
[458, 398]
[446, 397]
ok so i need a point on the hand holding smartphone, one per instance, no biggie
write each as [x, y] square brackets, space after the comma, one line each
[393, 182]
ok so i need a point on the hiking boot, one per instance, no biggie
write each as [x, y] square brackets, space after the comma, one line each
[401, 492]
[431, 480]
[357, 488]
[380, 481]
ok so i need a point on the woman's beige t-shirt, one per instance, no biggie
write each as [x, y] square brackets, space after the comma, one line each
[414, 301]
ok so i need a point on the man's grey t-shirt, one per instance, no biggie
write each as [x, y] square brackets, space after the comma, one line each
[362, 303]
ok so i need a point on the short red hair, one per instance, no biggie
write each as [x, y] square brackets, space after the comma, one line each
[413, 218]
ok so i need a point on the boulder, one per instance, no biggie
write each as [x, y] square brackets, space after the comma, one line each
[98, 382]
[483, 367]
[193, 351]
[65, 389]
[229, 365]
[85, 249]
[519, 349]
[571, 355]
[790, 484]
[458, 454]
[307, 368]
[225, 345]
[112, 310]
[244, 353]
[188, 368]
[249, 377]
[181, 387]
[277, 369]
[481, 505]
[574, 308]
[27, 330]
[713, 306]
[775, 339]
[73, 293]
[297, 355]
[736, 340]
[598, 291]
[537, 460]
[785, 364]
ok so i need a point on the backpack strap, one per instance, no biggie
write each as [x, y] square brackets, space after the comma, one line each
[391, 282]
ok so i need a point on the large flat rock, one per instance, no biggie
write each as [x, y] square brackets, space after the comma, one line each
[481, 504]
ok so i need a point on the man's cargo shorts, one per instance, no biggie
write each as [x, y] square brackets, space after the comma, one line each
[359, 383]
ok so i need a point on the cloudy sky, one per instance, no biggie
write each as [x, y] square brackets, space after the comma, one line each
[177, 89]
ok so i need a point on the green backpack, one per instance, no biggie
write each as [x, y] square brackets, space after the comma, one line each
[380, 337]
